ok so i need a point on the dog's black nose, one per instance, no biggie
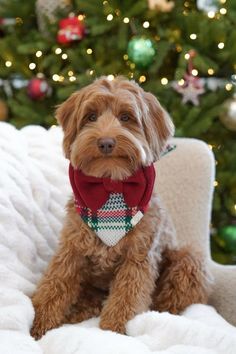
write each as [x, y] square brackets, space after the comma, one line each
[106, 145]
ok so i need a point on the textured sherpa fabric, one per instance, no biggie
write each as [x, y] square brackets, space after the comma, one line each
[34, 188]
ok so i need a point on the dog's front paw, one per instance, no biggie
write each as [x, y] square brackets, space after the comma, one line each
[41, 325]
[109, 325]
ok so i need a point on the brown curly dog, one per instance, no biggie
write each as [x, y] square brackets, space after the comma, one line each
[111, 130]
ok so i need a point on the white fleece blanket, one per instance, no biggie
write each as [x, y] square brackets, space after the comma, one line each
[33, 191]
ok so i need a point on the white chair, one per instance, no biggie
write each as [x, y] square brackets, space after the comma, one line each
[185, 180]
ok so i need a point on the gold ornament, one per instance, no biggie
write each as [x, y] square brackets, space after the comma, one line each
[3, 111]
[161, 5]
[46, 11]
[228, 116]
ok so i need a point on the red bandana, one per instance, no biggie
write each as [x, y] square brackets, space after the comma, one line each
[93, 192]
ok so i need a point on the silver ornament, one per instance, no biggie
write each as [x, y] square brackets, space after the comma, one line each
[228, 116]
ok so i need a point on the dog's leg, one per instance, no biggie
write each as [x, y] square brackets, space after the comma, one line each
[58, 288]
[89, 305]
[182, 282]
[130, 293]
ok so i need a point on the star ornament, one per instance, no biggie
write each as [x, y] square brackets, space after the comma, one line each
[190, 90]
[161, 5]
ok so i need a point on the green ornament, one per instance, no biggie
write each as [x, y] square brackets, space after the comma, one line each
[227, 238]
[141, 51]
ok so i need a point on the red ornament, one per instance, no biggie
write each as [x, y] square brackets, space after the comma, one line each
[38, 88]
[70, 29]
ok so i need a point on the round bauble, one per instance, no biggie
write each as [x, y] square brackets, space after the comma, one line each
[228, 116]
[38, 88]
[141, 51]
[227, 238]
[70, 29]
[207, 5]
[3, 110]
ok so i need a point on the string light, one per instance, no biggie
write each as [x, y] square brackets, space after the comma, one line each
[228, 87]
[234, 206]
[193, 36]
[221, 45]
[89, 51]
[39, 54]
[223, 11]
[210, 146]
[187, 56]
[181, 82]
[55, 77]
[81, 17]
[61, 78]
[132, 66]
[125, 57]
[216, 183]
[70, 73]
[211, 14]
[64, 56]
[146, 24]
[91, 72]
[223, 1]
[32, 66]
[142, 78]
[194, 72]
[126, 20]
[110, 77]
[72, 78]
[58, 50]
[210, 71]
[8, 63]
[164, 81]
[109, 17]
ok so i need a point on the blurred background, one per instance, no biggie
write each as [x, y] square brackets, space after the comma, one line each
[182, 51]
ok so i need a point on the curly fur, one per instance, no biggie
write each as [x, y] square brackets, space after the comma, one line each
[145, 269]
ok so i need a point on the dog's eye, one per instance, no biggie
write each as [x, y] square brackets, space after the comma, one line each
[92, 117]
[124, 117]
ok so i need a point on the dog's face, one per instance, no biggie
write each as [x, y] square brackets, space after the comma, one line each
[111, 128]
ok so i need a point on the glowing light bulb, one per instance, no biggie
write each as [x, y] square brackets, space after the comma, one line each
[228, 87]
[58, 50]
[164, 81]
[126, 20]
[211, 14]
[55, 77]
[223, 11]
[64, 56]
[146, 24]
[210, 71]
[193, 36]
[89, 51]
[221, 45]
[109, 17]
[142, 78]
[32, 66]
[110, 77]
[8, 63]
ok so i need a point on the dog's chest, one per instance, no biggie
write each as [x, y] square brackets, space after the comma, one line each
[113, 220]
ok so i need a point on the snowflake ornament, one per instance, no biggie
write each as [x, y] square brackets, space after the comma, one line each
[191, 89]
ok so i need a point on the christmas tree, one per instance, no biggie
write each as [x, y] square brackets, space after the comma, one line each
[182, 51]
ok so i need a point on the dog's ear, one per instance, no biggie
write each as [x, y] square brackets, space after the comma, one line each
[159, 126]
[66, 114]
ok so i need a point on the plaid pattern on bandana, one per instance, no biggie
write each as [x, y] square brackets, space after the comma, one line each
[113, 221]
